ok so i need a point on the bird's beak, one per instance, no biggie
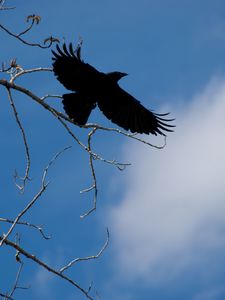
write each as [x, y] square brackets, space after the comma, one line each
[123, 74]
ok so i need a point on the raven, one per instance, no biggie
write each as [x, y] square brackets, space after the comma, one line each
[92, 87]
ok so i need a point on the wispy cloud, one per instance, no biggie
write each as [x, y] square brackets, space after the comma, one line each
[173, 212]
[43, 283]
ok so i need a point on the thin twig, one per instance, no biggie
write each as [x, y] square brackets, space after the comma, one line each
[7, 8]
[50, 40]
[15, 285]
[129, 135]
[23, 72]
[94, 185]
[51, 96]
[44, 265]
[39, 228]
[74, 261]
[52, 161]
[34, 19]
[26, 176]
[30, 204]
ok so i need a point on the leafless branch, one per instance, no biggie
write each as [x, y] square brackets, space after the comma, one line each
[34, 97]
[26, 176]
[51, 162]
[94, 185]
[2, 7]
[39, 228]
[74, 261]
[30, 204]
[16, 283]
[92, 157]
[25, 253]
[51, 96]
[34, 19]
[23, 72]
[44, 185]
[129, 135]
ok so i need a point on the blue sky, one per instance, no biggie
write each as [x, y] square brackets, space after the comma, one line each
[166, 212]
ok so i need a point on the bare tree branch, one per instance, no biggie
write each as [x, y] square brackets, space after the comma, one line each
[51, 96]
[26, 176]
[16, 283]
[30, 204]
[39, 228]
[45, 266]
[34, 19]
[94, 185]
[36, 197]
[74, 261]
[23, 72]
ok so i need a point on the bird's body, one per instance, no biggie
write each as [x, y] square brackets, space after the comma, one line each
[92, 87]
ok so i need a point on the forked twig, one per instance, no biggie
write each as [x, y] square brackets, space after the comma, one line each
[39, 228]
[24, 72]
[15, 285]
[35, 198]
[35, 19]
[27, 254]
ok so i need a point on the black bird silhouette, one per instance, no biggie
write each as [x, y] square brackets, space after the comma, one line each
[92, 87]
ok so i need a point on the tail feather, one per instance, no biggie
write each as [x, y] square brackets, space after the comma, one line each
[78, 107]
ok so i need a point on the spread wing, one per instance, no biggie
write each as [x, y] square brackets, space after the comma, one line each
[71, 71]
[127, 112]
[115, 103]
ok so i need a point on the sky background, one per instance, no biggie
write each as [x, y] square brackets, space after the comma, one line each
[166, 212]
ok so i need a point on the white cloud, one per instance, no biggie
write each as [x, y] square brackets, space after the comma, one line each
[173, 211]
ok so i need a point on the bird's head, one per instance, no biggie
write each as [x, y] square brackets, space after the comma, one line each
[116, 76]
